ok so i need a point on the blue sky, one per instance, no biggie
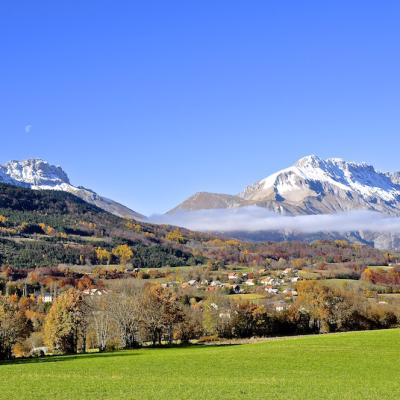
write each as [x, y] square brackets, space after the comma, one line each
[148, 102]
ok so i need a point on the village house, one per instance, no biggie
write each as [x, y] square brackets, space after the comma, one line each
[280, 306]
[271, 290]
[287, 271]
[216, 283]
[267, 280]
[47, 298]
[225, 315]
[39, 351]
[262, 271]
[290, 292]
[232, 276]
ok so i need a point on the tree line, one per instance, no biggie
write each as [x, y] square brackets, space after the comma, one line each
[150, 315]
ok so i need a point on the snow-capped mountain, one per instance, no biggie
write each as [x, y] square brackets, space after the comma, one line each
[40, 175]
[313, 186]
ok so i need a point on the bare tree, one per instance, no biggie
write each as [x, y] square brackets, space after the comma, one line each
[124, 310]
[101, 319]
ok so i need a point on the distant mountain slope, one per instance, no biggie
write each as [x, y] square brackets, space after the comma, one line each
[205, 201]
[313, 186]
[40, 175]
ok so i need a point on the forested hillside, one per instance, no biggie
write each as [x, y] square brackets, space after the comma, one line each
[44, 228]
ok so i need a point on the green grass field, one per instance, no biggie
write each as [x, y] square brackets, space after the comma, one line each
[364, 365]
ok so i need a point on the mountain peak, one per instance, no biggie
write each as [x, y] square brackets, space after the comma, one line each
[337, 160]
[36, 172]
[309, 161]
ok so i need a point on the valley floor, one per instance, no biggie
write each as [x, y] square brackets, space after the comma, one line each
[349, 366]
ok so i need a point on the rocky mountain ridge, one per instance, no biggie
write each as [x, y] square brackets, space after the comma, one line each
[38, 174]
[312, 186]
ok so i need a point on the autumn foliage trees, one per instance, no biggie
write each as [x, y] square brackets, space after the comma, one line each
[139, 314]
[126, 319]
[124, 253]
[65, 322]
[14, 325]
[103, 256]
[175, 236]
[382, 276]
[323, 309]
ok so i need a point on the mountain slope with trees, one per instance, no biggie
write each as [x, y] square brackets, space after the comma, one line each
[45, 228]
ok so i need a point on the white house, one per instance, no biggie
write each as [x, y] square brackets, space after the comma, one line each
[47, 298]
[280, 306]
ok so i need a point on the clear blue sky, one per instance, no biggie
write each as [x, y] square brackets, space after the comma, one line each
[148, 102]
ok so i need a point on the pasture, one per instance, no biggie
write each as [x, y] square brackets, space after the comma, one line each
[349, 366]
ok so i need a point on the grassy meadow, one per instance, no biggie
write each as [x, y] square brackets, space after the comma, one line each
[349, 366]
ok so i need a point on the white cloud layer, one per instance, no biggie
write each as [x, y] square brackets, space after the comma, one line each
[253, 219]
